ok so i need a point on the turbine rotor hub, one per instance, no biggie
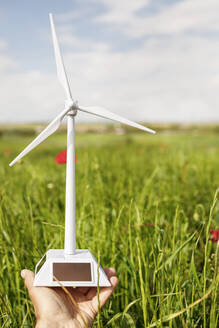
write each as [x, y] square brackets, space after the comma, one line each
[72, 105]
[72, 112]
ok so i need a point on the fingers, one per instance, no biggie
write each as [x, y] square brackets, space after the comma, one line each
[83, 290]
[28, 277]
[105, 292]
[39, 295]
[92, 291]
[110, 272]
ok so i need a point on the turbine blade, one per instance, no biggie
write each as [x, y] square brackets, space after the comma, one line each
[59, 61]
[102, 112]
[50, 129]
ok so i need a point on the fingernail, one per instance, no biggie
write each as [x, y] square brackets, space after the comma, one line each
[114, 270]
[23, 272]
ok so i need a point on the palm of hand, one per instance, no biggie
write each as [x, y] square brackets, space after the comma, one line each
[76, 308]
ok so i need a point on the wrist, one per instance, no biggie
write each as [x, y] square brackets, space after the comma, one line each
[44, 323]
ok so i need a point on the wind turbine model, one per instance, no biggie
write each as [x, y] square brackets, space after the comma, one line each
[71, 266]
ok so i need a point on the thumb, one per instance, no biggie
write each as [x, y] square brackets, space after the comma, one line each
[106, 292]
[28, 277]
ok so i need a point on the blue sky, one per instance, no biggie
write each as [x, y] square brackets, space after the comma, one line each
[147, 60]
[30, 27]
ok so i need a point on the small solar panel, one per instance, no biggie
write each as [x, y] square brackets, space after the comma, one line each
[72, 271]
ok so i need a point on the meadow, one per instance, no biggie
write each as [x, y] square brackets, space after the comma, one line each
[145, 205]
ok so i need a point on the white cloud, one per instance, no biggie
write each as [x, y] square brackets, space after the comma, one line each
[3, 45]
[30, 96]
[26, 96]
[6, 62]
[171, 78]
[183, 16]
[163, 80]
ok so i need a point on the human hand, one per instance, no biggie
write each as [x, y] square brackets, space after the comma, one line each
[75, 307]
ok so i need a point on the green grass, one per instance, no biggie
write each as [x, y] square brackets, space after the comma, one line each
[145, 204]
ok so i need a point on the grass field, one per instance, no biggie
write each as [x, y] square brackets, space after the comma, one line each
[145, 204]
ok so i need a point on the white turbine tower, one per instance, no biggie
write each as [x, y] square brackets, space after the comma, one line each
[70, 266]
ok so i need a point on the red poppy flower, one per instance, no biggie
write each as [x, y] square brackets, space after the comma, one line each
[215, 235]
[7, 151]
[61, 157]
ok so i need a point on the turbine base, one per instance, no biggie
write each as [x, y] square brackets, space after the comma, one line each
[78, 270]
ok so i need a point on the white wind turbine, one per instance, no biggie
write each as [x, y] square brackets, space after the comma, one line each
[70, 266]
